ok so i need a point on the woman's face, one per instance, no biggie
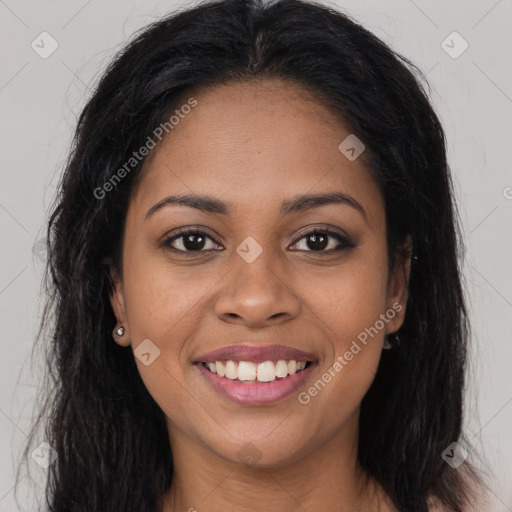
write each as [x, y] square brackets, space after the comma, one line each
[256, 275]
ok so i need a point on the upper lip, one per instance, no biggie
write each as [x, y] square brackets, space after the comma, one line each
[255, 354]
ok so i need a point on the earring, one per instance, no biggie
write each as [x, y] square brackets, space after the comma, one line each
[119, 332]
[391, 341]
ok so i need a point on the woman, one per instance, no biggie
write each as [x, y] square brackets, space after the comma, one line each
[255, 276]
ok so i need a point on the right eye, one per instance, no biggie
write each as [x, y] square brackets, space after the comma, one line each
[190, 241]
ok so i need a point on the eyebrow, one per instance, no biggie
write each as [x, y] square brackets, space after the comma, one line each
[296, 204]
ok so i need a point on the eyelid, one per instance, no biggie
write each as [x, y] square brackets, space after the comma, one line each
[321, 228]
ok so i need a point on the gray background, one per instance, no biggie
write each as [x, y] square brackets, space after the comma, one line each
[40, 99]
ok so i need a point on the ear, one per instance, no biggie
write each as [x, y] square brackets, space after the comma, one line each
[398, 287]
[118, 306]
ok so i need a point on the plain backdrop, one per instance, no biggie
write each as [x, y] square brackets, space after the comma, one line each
[40, 99]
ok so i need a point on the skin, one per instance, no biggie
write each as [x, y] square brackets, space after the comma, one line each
[254, 145]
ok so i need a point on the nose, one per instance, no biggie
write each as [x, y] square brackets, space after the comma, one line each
[256, 294]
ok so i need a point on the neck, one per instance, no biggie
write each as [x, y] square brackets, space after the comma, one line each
[322, 477]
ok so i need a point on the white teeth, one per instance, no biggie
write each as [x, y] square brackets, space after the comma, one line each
[281, 369]
[231, 371]
[246, 370]
[221, 369]
[266, 371]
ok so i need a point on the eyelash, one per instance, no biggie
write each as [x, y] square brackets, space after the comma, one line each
[344, 241]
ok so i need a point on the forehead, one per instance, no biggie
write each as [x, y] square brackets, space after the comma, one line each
[252, 144]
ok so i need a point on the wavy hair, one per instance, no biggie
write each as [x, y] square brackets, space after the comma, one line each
[104, 425]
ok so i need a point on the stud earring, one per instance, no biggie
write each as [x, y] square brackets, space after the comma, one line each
[391, 341]
[119, 332]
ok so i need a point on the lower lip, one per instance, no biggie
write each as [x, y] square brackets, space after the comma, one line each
[256, 394]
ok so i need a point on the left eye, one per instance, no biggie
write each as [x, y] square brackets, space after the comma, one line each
[322, 240]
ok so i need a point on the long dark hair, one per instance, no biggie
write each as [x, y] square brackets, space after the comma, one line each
[104, 425]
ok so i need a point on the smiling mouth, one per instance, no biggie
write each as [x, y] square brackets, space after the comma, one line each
[253, 373]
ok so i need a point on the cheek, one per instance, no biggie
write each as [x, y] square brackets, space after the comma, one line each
[160, 301]
[348, 307]
[163, 306]
[350, 299]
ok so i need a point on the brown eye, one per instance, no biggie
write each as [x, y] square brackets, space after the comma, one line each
[191, 241]
[320, 240]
